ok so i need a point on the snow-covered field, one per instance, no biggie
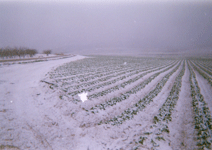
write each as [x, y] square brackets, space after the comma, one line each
[132, 103]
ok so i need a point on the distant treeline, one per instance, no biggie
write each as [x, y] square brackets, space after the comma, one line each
[9, 52]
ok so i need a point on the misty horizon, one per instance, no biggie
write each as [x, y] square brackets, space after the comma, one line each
[69, 27]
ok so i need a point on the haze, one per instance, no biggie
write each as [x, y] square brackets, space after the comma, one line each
[92, 27]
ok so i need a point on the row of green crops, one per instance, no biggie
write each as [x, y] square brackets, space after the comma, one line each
[130, 81]
[205, 62]
[203, 120]
[94, 73]
[124, 96]
[141, 104]
[126, 74]
[202, 73]
[164, 116]
[122, 85]
[203, 67]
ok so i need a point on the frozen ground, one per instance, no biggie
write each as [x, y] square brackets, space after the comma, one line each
[23, 108]
[34, 115]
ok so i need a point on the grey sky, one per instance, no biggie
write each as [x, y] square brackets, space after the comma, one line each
[156, 25]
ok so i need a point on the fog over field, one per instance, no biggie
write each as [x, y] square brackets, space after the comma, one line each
[108, 27]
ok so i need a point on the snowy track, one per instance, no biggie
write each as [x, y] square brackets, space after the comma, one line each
[21, 115]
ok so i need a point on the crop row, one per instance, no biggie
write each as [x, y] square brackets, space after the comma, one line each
[202, 73]
[203, 120]
[166, 109]
[207, 70]
[94, 73]
[206, 64]
[108, 75]
[122, 85]
[141, 104]
[89, 89]
[128, 73]
[103, 72]
[164, 116]
[134, 90]
[85, 67]
[100, 64]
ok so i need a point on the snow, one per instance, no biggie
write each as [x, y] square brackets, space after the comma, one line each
[83, 96]
[182, 130]
[23, 102]
[206, 90]
[33, 116]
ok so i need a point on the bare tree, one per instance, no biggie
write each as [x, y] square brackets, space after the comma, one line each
[1, 52]
[31, 52]
[47, 52]
[8, 52]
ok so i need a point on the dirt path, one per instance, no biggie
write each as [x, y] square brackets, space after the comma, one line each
[22, 116]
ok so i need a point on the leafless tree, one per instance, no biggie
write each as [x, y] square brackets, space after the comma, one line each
[47, 52]
[31, 52]
[8, 52]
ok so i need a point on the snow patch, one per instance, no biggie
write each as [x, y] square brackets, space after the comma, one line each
[83, 96]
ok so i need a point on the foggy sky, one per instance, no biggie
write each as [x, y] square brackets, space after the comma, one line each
[160, 25]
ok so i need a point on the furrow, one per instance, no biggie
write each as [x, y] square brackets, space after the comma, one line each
[203, 120]
[141, 104]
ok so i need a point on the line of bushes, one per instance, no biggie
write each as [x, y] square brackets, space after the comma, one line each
[8, 52]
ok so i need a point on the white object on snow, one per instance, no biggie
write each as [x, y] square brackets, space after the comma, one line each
[83, 96]
[125, 63]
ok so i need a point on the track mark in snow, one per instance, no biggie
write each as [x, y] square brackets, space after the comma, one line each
[40, 137]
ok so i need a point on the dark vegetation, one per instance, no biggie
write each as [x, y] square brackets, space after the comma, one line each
[47, 52]
[8, 52]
